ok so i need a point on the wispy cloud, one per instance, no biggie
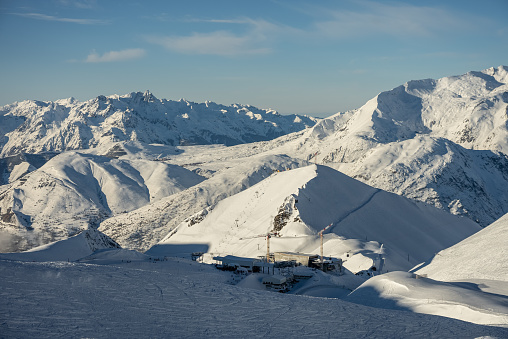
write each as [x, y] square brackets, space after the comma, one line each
[222, 21]
[113, 56]
[84, 4]
[393, 19]
[214, 43]
[79, 21]
[256, 38]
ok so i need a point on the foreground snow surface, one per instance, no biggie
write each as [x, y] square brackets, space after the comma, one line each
[477, 301]
[182, 299]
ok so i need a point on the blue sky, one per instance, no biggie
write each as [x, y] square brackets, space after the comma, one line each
[306, 57]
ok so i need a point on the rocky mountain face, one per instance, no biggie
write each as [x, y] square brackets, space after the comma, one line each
[36, 126]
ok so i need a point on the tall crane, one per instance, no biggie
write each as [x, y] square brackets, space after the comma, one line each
[268, 235]
[321, 236]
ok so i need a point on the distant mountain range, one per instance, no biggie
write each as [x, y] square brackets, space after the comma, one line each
[41, 126]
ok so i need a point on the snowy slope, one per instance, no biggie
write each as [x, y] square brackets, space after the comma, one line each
[70, 249]
[15, 167]
[183, 299]
[370, 227]
[73, 191]
[36, 126]
[481, 256]
[464, 301]
[467, 281]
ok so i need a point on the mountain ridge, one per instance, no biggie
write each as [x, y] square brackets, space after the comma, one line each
[35, 126]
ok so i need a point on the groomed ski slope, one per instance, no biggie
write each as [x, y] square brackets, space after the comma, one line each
[182, 299]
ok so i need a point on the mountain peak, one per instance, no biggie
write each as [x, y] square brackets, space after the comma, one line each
[500, 73]
[149, 97]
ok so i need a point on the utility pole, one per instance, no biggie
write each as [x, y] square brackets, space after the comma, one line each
[268, 236]
[321, 238]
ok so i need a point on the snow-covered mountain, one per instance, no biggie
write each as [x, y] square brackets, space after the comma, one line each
[74, 191]
[444, 142]
[412, 141]
[467, 281]
[37, 126]
[15, 167]
[370, 227]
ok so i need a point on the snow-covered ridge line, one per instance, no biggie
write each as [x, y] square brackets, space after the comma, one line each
[37, 126]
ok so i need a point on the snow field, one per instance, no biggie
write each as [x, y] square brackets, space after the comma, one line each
[180, 298]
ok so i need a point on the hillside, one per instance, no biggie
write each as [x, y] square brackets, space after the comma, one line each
[146, 226]
[70, 249]
[481, 256]
[479, 302]
[369, 226]
[74, 191]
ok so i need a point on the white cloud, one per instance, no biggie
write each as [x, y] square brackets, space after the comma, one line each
[214, 43]
[112, 56]
[40, 16]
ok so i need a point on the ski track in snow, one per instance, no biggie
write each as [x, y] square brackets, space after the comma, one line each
[356, 209]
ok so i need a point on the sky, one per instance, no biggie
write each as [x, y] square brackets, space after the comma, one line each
[294, 56]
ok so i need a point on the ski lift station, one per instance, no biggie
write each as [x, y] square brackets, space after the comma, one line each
[234, 261]
[289, 258]
[300, 258]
